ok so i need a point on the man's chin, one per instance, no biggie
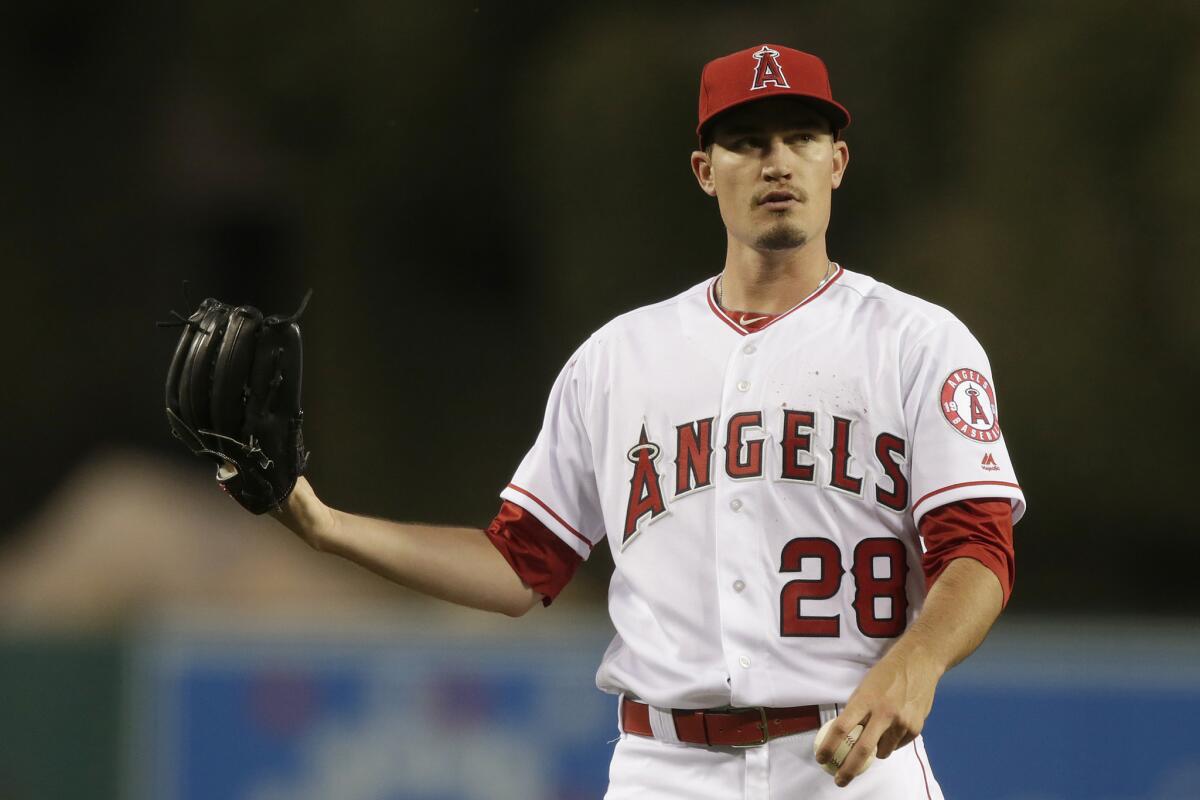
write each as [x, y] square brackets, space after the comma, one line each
[782, 237]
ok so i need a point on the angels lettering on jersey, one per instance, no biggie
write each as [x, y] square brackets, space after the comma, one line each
[741, 457]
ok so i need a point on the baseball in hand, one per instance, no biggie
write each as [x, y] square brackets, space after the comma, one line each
[839, 756]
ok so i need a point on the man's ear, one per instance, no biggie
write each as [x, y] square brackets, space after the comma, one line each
[703, 170]
[841, 159]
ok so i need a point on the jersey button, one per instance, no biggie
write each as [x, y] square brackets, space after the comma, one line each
[749, 349]
[745, 662]
[735, 504]
[743, 386]
[739, 585]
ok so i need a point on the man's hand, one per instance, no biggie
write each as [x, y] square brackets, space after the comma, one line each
[891, 704]
[233, 397]
[896, 695]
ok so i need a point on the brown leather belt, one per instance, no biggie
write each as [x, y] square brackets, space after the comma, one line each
[725, 727]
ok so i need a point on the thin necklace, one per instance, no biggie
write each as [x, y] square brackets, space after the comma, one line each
[721, 285]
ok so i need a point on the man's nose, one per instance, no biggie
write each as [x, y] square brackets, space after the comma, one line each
[775, 161]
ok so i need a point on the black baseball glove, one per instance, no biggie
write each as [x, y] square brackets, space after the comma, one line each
[233, 395]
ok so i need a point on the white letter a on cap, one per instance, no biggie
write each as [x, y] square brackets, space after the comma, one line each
[768, 71]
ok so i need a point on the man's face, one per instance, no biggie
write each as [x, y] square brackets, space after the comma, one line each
[773, 166]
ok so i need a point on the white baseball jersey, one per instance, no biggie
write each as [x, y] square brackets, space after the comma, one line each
[760, 491]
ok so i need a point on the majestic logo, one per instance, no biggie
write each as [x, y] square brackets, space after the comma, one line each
[767, 71]
[969, 404]
[989, 463]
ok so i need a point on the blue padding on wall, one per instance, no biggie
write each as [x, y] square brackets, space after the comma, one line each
[1062, 743]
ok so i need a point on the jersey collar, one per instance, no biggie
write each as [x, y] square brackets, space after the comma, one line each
[742, 330]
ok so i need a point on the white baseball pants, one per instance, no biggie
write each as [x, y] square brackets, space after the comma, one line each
[783, 769]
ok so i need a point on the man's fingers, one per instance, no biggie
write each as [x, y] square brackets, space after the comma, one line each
[899, 734]
[863, 751]
[889, 742]
[837, 733]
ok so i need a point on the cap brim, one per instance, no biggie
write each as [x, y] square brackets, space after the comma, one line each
[836, 113]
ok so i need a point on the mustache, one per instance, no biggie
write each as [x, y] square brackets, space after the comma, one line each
[794, 192]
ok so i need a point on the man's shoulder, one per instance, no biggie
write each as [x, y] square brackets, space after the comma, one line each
[639, 325]
[647, 317]
[875, 297]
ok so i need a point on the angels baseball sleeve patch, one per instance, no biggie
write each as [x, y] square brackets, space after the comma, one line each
[953, 416]
[968, 403]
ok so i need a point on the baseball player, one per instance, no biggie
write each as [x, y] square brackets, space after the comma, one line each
[800, 474]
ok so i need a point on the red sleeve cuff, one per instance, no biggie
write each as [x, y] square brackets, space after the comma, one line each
[978, 529]
[543, 561]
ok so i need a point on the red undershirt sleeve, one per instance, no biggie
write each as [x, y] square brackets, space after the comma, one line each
[979, 529]
[543, 561]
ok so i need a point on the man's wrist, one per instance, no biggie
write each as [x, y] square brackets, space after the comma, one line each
[323, 536]
[306, 516]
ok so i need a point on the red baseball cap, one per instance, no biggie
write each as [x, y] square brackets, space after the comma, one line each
[767, 70]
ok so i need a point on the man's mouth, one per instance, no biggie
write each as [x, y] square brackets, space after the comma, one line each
[777, 200]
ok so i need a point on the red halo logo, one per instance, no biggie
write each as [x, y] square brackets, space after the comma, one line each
[969, 404]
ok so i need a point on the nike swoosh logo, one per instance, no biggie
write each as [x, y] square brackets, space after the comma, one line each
[750, 320]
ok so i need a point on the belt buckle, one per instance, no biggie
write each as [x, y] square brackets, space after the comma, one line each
[762, 726]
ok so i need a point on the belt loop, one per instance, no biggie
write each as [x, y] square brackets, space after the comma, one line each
[621, 713]
[829, 711]
[662, 722]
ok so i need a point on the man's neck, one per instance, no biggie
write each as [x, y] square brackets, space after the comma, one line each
[771, 281]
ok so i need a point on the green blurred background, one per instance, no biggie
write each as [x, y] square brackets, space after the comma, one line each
[471, 188]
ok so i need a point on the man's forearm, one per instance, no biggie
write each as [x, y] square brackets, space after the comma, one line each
[455, 564]
[958, 612]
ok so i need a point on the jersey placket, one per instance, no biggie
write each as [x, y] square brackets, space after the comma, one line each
[738, 518]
